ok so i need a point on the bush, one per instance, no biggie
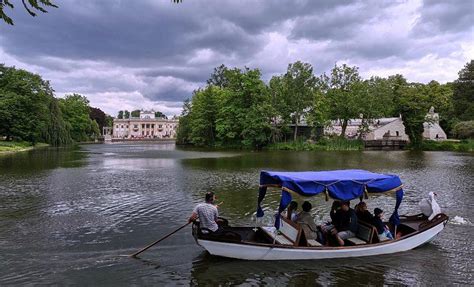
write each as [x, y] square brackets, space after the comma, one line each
[462, 146]
[464, 130]
[324, 144]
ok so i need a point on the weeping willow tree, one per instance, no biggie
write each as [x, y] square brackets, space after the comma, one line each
[58, 131]
[28, 109]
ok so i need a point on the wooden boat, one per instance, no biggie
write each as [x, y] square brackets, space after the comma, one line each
[286, 240]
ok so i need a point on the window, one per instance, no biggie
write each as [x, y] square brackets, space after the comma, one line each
[147, 126]
[121, 126]
[398, 134]
[116, 126]
[152, 126]
[159, 126]
[135, 126]
[143, 126]
[127, 126]
[143, 133]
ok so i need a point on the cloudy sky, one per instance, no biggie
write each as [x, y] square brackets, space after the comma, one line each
[125, 54]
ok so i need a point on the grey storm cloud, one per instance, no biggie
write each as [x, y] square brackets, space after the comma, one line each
[162, 51]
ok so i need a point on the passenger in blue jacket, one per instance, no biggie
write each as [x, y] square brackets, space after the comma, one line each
[346, 225]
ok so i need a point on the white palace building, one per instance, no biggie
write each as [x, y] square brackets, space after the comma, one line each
[147, 126]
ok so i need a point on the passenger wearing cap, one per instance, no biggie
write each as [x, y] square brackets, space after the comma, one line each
[207, 213]
[382, 229]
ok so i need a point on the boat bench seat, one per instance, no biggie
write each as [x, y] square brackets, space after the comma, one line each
[313, 242]
[279, 238]
[363, 236]
[288, 234]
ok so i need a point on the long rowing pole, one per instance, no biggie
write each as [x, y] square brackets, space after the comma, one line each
[134, 255]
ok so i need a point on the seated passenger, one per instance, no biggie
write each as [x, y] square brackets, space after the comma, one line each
[382, 229]
[291, 212]
[306, 220]
[346, 225]
[363, 214]
[207, 214]
[336, 205]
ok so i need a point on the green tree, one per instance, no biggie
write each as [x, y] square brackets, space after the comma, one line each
[203, 116]
[183, 133]
[99, 116]
[28, 108]
[126, 114]
[32, 7]
[243, 118]
[414, 103]
[463, 94]
[120, 115]
[218, 77]
[109, 121]
[298, 91]
[343, 88]
[464, 130]
[135, 113]
[75, 109]
[160, 115]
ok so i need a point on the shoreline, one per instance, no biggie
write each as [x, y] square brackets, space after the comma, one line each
[451, 146]
[7, 148]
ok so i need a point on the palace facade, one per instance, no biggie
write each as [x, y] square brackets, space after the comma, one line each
[147, 126]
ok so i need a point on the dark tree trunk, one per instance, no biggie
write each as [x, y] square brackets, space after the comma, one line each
[344, 127]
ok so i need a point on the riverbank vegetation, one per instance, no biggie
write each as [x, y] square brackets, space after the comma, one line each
[29, 112]
[461, 146]
[324, 144]
[15, 146]
[238, 109]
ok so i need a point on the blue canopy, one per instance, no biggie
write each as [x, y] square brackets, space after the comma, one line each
[337, 184]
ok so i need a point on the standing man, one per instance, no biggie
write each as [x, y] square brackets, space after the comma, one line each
[207, 213]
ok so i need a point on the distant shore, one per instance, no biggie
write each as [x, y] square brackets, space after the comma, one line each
[9, 147]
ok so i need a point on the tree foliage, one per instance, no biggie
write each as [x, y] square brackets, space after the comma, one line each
[28, 109]
[75, 109]
[343, 93]
[463, 94]
[464, 130]
[32, 7]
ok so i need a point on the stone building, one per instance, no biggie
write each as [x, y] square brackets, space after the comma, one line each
[144, 127]
[388, 128]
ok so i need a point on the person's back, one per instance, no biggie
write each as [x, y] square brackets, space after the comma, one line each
[207, 213]
[307, 222]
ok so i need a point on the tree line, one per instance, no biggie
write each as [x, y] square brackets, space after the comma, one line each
[236, 108]
[29, 111]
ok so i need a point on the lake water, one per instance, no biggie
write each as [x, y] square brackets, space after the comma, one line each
[67, 216]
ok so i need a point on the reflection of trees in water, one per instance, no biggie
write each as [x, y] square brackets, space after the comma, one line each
[25, 163]
[20, 190]
[208, 270]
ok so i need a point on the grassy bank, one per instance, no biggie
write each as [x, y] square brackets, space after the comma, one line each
[332, 144]
[14, 146]
[462, 146]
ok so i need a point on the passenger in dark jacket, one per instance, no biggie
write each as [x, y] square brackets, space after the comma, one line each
[346, 225]
[382, 230]
[363, 214]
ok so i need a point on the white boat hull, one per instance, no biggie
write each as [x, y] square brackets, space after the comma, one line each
[268, 252]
